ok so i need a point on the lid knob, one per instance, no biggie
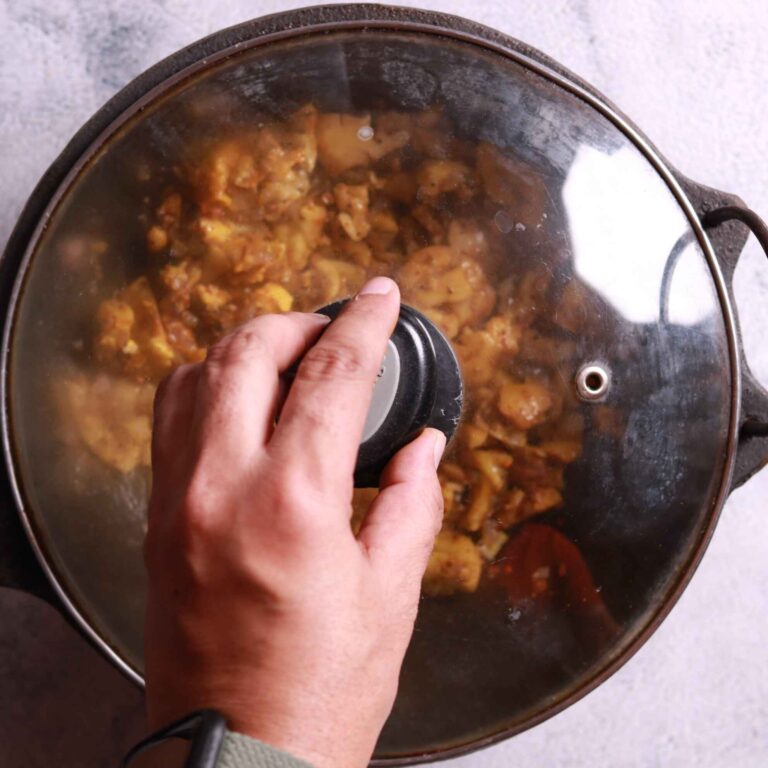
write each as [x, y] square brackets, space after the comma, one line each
[419, 385]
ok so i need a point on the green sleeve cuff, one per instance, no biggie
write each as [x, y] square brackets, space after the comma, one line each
[239, 751]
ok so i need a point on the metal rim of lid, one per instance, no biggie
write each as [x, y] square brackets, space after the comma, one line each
[181, 65]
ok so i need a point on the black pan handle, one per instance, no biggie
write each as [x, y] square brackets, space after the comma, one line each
[19, 568]
[752, 454]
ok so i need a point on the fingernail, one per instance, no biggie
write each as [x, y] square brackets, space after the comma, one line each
[439, 447]
[320, 317]
[378, 285]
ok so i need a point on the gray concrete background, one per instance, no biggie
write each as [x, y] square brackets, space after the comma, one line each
[693, 75]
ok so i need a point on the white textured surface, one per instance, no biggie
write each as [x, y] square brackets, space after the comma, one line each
[692, 75]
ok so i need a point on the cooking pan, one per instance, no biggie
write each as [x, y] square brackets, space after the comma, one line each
[674, 420]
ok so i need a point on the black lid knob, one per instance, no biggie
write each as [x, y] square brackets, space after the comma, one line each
[419, 385]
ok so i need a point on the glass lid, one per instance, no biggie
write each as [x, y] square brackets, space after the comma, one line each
[533, 232]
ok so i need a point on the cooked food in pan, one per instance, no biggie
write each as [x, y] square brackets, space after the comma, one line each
[293, 214]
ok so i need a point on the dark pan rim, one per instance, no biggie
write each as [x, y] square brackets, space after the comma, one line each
[188, 62]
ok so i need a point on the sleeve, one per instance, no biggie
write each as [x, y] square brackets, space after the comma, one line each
[239, 751]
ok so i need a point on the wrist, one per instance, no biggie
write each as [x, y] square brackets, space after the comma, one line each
[193, 741]
[203, 740]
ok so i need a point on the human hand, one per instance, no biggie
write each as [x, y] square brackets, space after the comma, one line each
[262, 603]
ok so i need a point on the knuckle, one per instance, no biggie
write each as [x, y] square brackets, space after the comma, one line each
[289, 497]
[210, 375]
[216, 354]
[343, 359]
[195, 547]
[436, 503]
[312, 413]
[425, 519]
[297, 510]
[197, 510]
[436, 497]
[248, 341]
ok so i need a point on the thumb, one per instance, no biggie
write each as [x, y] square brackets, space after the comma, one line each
[401, 525]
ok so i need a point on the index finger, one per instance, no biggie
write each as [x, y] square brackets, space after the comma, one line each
[322, 420]
[239, 386]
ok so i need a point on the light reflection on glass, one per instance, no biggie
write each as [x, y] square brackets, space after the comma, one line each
[691, 298]
[623, 230]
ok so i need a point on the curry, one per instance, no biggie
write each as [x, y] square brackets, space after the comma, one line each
[294, 214]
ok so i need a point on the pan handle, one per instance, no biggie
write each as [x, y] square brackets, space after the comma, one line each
[19, 568]
[752, 453]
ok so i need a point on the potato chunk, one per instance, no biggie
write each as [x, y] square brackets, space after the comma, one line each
[131, 338]
[451, 289]
[112, 416]
[480, 505]
[352, 202]
[264, 172]
[481, 351]
[511, 183]
[525, 404]
[348, 141]
[454, 565]
[441, 177]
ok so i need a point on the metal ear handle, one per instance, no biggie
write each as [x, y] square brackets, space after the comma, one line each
[745, 215]
[752, 453]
